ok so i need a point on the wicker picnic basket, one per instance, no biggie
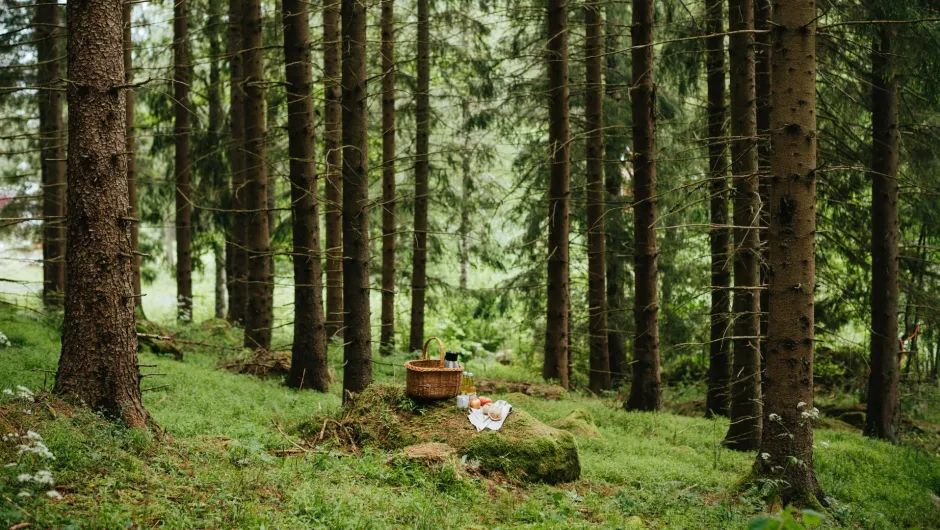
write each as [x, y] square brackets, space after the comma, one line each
[428, 379]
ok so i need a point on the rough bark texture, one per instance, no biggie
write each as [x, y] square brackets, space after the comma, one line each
[387, 339]
[357, 350]
[332, 142]
[883, 412]
[259, 307]
[646, 388]
[213, 29]
[762, 53]
[218, 254]
[309, 368]
[463, 244]
[182, 130]
[717, 400]
[98, 364]
[615, 217]
[744, 431]
[789, 374]
[599, 378]
[52, 151]
[559, 192]
[419, 280]
[238, 280]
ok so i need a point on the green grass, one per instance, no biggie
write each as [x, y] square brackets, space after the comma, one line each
[216, 469]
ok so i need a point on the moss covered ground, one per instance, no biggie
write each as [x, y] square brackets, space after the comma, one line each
[229, 459]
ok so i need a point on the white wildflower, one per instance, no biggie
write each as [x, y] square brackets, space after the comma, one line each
[33, 435]
[4, 341]
[801, 404]
[35, 447]
[24, 393]
[765, 456]
[11, 464]
[24, 494]
[8, 391]
[774, 417]
[43, 476]
[24, 477]
[825, 445]
[9, 436]
[53, 494]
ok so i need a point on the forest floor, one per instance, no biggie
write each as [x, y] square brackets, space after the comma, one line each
[223, 464]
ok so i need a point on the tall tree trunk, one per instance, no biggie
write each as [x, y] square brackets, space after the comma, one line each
[52, 152]
[332, 142]
[599, 378]
[744, 431]
[357, 350]
[883, 412]
[238, 281]
[419, 280]
[387, 340]
[789, 374]
[717, 400]
[466, 188]
[615, 226]
[218, 253]
[182, 130]
[762, 14]
[646, 389]
[559, 193]
[259, 307]
[131, 152]
[215, 125]
[309, 368]
[98, 364]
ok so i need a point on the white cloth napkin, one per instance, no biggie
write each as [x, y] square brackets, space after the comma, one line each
[482, 421]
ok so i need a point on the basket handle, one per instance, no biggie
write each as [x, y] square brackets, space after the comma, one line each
[424, 352]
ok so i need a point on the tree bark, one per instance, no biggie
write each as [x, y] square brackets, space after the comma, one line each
[419, 281]
[218, 253]
[466, 188]
[332, 142]
[789, 374]
[52, 152]
[238, 281]
[259, 307]
[357, 350]
[182, 130]
[215, 126]
[762, 15]
[599, 378]
[646, 388]
[744, 430]
[883, 409]
[615, 226]
[559, 193]
[98, 364]
[717, 400]
[387, 340]
[309, 368]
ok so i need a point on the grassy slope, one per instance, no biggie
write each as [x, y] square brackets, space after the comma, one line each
[216, 471]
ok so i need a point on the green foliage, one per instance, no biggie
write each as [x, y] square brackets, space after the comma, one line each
[785, 520]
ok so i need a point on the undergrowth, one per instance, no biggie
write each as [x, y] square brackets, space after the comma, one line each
[225, 461]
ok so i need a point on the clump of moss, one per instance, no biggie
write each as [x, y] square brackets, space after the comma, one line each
[579, 423]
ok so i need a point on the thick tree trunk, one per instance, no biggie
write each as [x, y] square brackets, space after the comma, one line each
[419, 280]
[357, 350]
[259, 307]
[387, 340]
[182, 130]
[559, 193]
[717, 400]
[98, 364]
[238, 280]
[309, 368]
[215, 125]
[615, 227]
[131, 152]
[599, 378]
[52, 151]
[466, 188]
[786, 451]
[332, 142]
[744, 431]
[762, 14]
[646, 388]
[883, 412]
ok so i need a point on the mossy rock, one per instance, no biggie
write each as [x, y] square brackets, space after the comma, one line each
[855, 418]
[579, 423]
[524, 448]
